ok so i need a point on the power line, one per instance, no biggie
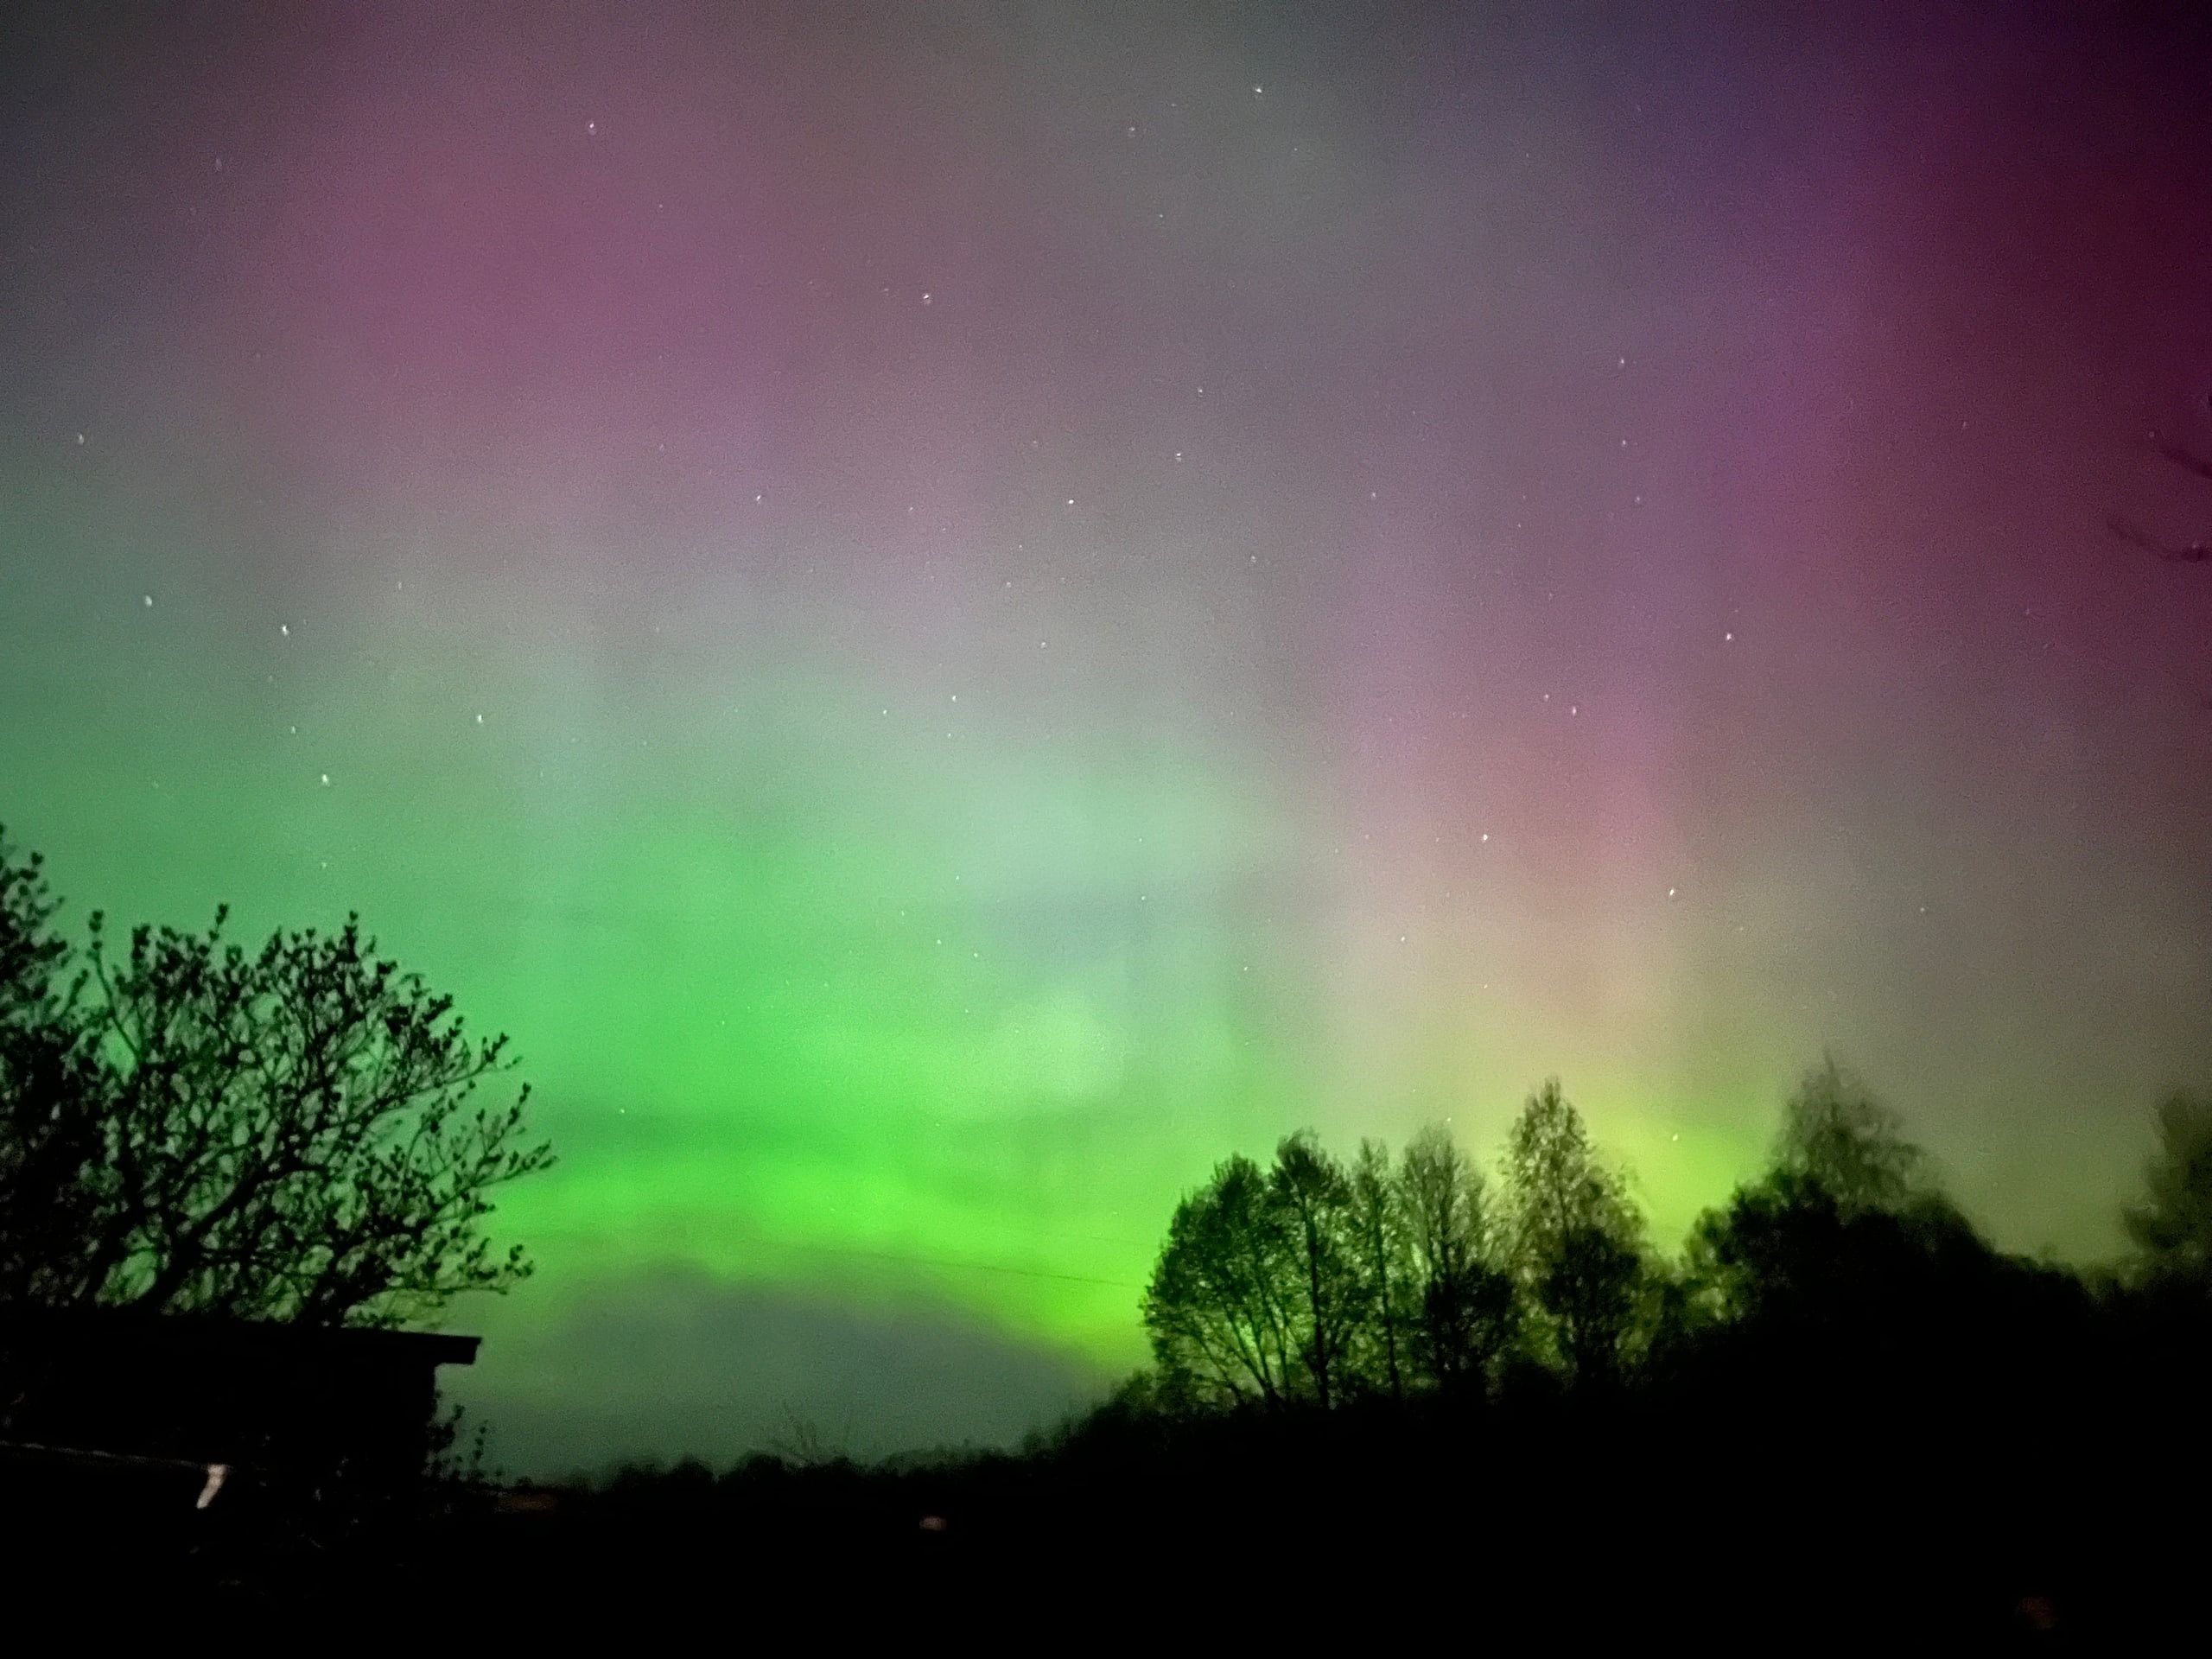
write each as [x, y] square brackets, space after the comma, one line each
[967, 1267]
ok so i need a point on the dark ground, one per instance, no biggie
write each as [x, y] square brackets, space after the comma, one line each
[1795, 1523]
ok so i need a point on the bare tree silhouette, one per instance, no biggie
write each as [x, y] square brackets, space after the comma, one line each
[2172, 553]
[288, 1133]
[2162, 547]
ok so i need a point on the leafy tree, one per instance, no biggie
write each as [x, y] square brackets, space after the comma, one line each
[1837, 1138]
[1792, 1240]
[1315, 1200]
[1217, 1309]
[2171, 1230]
[2162, 1299]
[1577, 1240]
[288, 1135]
[1259, 1294]
[1844, 1258]
[1466, 1311]
[1382, 1243]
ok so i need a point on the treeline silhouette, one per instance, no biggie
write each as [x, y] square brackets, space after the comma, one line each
[1408, 1393]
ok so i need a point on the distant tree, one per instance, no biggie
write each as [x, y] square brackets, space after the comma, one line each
[1315, 1197]
[48, 1142]
[1843, 1252]
[1464, 1299]
[1837, 1137]
[284, 1136]
[2172, 1228]
[1217, 1309]
[1577, 1239]
[1840, 1158]
[805, 1444]
[1779, 1248]
[1382, 1245]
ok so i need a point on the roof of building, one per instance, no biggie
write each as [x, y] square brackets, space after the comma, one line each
[246, 1339]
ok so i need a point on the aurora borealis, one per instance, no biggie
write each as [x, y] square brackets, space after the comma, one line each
[949, 612]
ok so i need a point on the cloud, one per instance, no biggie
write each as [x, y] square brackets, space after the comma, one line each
[672, 1363]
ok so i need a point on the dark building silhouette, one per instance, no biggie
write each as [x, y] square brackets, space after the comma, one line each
[158, 1419]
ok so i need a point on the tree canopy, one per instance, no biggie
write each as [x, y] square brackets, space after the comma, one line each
[1577, 1240]
[2172, 1228]
[1311, 1283]
[289, 1132]
[1837, 1138]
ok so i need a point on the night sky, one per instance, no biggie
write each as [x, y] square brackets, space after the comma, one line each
[950, 612]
